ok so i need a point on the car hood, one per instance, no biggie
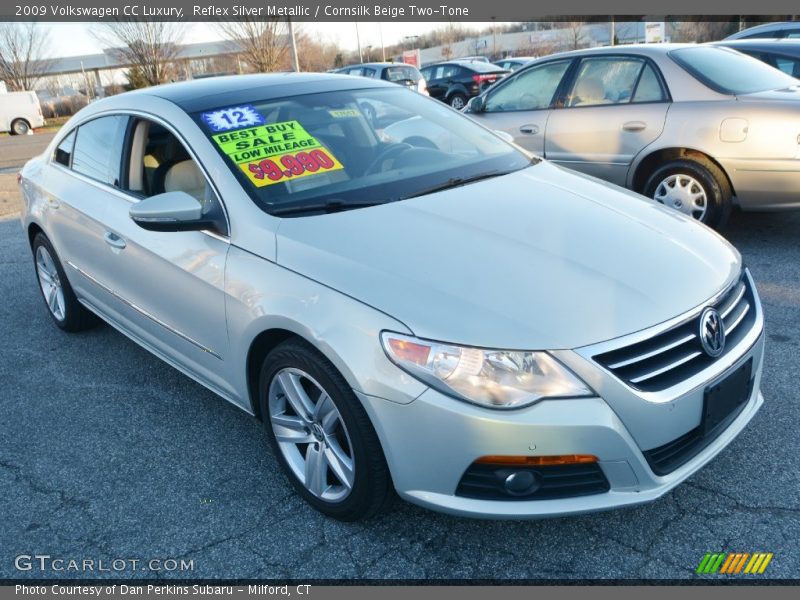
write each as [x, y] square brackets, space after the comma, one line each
[543, 258]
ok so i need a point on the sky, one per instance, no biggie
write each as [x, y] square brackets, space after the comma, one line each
[73, 39]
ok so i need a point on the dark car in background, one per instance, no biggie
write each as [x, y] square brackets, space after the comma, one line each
[787, 29]
[783, 54]
[399, 73]
[456, 81]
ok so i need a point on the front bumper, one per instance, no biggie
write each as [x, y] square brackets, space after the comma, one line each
[431, 442]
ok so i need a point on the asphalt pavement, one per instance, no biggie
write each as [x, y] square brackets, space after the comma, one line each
[108, 453]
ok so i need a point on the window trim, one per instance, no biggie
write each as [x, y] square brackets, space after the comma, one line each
[131, 196]
[53, 159]
[568, 84]
[519, 72]
[76, 131]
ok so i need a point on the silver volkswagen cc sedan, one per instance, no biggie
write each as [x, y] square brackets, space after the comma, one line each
[484, 332]
[698, 128]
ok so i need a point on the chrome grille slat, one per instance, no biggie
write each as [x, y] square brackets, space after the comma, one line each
[676, 354]
[669, 367]
[631, 361]
[738, 319]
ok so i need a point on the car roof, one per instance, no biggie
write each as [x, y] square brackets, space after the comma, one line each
[228, 90]
[781, 45]
[777, 26]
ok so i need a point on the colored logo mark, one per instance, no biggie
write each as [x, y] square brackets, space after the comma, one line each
[734, 563]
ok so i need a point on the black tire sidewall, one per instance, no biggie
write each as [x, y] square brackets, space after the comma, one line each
[717, 192]
[371, 475]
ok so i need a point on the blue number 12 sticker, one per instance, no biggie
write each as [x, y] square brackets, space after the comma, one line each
[235, 117]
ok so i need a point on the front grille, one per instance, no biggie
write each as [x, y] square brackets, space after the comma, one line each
[675, 355]
[487, 482]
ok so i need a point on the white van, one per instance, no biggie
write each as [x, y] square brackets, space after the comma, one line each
[20, 112]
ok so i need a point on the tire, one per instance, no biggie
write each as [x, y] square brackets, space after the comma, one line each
[330, 438]
[20, 127]
[677, 182]
[59, 299]
[457, 101]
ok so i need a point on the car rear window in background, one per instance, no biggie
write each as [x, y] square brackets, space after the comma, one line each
[98, 149]
[395, 74]
[730, 72]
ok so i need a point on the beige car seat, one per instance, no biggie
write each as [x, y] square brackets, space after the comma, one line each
[185, 176]
[589, 90]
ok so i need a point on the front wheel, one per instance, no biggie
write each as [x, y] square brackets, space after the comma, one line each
[696, 187]
[321, 434]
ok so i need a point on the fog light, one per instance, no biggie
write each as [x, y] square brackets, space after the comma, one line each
[521, 483]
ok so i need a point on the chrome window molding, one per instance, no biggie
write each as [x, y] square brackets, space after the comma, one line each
[127, 195]
[700, 378]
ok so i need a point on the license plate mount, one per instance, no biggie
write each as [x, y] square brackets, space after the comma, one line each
[725, 398]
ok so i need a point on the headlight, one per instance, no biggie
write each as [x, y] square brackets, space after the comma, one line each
[493, 378]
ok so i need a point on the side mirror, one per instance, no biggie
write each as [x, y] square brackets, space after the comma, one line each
[170, 211]
[504, 135]
[476, 104]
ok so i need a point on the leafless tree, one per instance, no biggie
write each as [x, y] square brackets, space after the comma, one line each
[702, 31]
[22, 61]
[262, 45]
[150, 48]
[575, 34]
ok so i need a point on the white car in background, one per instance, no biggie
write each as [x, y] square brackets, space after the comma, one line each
[20, 112]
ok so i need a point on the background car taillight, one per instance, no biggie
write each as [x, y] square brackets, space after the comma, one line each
[481, 79]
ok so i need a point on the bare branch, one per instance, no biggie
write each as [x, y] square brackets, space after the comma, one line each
[22, 61]
[262, 45]
[150, 48]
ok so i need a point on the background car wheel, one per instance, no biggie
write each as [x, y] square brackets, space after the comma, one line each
[695, 187]
[457, 101]
[321, 434]
[62, 304]
[20, 127]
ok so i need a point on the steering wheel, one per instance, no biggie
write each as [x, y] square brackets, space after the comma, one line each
[388, 152]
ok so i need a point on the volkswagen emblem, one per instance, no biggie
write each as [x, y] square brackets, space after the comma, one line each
[712, 332]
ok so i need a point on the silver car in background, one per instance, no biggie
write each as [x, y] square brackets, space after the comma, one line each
[483, 331]
[698, 128]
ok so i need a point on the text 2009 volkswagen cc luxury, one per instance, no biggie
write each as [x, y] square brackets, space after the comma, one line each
[484, 332]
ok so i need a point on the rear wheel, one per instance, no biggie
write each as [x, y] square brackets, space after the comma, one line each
[20, 127]
[695, 187]
[62, 304]
[457, 101]
[321, 434]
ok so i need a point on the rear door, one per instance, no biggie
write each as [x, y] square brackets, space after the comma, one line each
[521, 104]
[613, 107]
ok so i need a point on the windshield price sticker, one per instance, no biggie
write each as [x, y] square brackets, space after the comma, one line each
[344, 113]
[276, 153]
[235, 117]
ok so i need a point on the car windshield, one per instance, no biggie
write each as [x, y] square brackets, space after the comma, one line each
[731, 72]
[345, 149]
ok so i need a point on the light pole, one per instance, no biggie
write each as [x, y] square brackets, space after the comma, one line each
[358, 41]
[369, 53]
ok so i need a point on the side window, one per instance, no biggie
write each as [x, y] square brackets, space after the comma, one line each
[792, 34]
[649, 87]
[451, 72]
[605, 81]
[160, 163]
[532, 89]
[426, 73]
[64, 150]
[98, 149]
[368, 72]
[790, 66]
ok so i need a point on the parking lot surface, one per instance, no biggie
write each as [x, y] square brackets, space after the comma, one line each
[108, 453]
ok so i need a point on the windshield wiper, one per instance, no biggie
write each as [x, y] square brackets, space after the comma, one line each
[457, 182]
[326, 206]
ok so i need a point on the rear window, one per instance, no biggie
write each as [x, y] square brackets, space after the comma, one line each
[730, 72]
[482, 67]
[395, 74]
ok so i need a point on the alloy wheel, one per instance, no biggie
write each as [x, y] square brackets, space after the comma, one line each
[50, 282]
[311, 435]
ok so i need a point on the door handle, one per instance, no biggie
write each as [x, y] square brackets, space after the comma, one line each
[533, 129]
[113, 240]
[634, 126]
